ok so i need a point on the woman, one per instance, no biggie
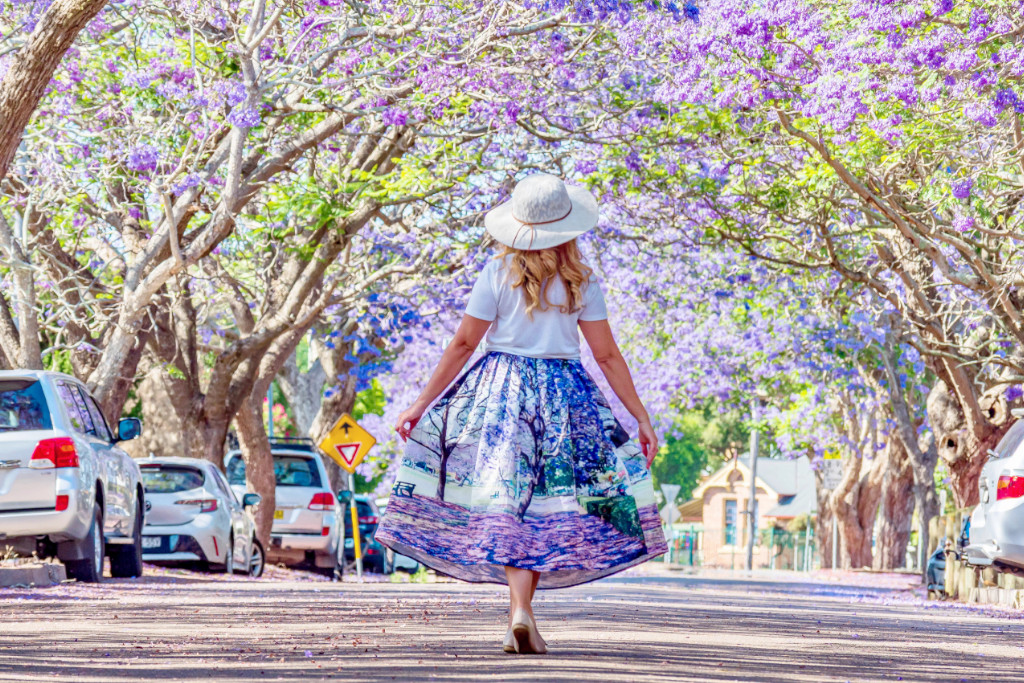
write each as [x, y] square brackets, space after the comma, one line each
[520, 474]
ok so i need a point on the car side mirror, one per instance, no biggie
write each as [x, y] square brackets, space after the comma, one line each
[251, 500]
[129, 428]
[345, 497]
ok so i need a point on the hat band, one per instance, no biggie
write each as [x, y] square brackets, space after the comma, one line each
[544, 222]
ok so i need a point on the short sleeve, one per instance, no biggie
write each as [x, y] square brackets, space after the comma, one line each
[483, 302]
[594, 307]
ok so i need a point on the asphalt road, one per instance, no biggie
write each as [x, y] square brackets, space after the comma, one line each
[652, 625]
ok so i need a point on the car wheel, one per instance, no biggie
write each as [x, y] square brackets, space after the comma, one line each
[257, 561]
[126, 560]
[90, 568]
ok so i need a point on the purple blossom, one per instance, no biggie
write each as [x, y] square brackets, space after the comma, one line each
[962, 223]
[143, 158]
[394, 117]
[943, 7]
[962, 188]
[244, 118]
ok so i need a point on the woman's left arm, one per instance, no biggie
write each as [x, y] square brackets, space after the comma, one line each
[453, 360]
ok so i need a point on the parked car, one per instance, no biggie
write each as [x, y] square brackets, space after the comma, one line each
[193, 515]
[996, 531]
[392, 560]
[935, 572]
[66, 488]
[374, 556]
[306, 527]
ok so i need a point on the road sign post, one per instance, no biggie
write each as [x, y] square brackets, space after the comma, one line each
[670, 514]
[347, 444]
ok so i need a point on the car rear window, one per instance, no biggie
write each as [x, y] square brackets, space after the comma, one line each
[170, 478]
[1009, 444]
[23, 406]
[295, 470]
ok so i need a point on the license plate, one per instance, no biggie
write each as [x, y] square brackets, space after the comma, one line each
[278, 514]
[152, 541]
[350, 543]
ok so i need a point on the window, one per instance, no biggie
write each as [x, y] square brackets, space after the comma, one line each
[81, 422]
[295, 470]
[98, 421]
[730, 522]
[23, 406]
[236, 471]
[218, 478]
[170, 478]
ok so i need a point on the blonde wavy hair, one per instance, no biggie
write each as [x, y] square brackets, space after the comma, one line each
[531, 270]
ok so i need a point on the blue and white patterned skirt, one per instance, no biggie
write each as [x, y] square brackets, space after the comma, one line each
[522, 463]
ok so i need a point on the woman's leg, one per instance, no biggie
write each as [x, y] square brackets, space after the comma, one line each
[522, 583]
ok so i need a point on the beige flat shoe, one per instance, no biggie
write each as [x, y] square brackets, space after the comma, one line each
[524, 635]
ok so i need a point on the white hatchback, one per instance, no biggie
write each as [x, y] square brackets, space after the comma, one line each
[193, 515]
[306, 514]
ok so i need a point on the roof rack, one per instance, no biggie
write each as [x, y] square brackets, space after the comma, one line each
[294, 442]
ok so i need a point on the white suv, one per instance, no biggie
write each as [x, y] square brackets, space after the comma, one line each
[66, 489]
[306, 514]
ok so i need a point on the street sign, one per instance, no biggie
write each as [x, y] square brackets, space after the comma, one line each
[670, 491]
[832, 469]
[670, 514]
[347, 443]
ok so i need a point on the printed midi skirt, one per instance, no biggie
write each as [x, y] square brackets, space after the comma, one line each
[522, 463]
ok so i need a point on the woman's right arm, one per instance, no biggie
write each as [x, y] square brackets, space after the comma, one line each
[598, 334]
[453, 360]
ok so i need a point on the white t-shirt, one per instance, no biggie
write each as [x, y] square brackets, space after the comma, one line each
[550, 334]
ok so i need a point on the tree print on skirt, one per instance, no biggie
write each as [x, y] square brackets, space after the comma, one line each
[522, 463]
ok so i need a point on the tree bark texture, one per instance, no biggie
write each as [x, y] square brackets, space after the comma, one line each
[896, 508]
[259, 464]
[32, 67]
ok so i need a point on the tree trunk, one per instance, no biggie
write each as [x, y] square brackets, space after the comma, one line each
[341, 401]
[896, 510]
[259, 464]
[304, 391]
[32, 69]
[964, 450]
[855, 504]
[204, 438]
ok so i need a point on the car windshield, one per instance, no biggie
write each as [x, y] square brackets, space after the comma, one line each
[23, 406]
[295, 470]
[1011, 441]
[170, 478]
[236, 471]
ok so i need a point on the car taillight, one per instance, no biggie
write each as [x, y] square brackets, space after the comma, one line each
[205, 504]
[1009, 487]
[62, 502]
[54, 453]
[322, 501]
[372, 519]
[326, 531]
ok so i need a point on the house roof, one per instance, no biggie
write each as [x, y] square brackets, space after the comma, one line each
[791, 480]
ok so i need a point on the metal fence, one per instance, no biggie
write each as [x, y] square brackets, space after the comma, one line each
[720, 548]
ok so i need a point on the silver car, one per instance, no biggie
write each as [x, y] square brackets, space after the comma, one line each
[997, 523]
[66, 489]
[306, 519]
[193, 515]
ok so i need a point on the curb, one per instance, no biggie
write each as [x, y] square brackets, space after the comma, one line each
[32, 575]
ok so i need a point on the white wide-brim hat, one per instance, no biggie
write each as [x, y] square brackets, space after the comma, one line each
[542, 213]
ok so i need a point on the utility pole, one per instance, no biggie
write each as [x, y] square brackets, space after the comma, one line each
[752, 501]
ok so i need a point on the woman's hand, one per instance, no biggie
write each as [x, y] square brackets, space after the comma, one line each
[648, 442]
[407, 421]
